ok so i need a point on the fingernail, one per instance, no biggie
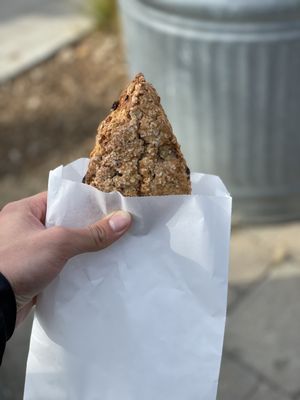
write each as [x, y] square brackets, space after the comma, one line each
[119, 221]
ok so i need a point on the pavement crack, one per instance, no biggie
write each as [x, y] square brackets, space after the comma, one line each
[261, 378]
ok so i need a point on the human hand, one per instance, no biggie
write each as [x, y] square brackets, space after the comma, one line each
[31, 256]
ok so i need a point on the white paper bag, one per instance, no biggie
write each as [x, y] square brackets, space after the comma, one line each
[143, 319]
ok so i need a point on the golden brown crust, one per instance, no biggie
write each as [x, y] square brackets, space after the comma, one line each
[136, 152]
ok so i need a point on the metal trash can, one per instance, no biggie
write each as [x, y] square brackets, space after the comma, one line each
[228, 73]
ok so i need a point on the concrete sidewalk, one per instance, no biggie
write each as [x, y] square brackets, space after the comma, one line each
[261, 359]
[32, 30]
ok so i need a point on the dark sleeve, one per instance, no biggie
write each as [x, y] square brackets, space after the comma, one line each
[8, 312]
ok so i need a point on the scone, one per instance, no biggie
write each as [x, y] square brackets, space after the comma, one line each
[136, 152]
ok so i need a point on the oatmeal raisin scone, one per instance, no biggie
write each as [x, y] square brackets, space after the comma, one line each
[136, 152]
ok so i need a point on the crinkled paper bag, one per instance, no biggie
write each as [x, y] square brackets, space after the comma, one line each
[143, 319]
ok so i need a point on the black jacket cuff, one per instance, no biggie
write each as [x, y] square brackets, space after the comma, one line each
[8, 312]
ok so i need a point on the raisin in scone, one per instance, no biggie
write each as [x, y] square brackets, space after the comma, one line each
[136, 152]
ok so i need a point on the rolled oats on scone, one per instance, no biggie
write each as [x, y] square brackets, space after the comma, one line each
[136, 152]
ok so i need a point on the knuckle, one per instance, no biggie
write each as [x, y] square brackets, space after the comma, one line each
[98, 234]
[61, 236]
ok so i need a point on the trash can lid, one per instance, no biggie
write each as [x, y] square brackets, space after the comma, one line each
[240, 10]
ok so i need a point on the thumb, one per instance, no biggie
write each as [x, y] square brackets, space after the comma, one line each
[96, 236]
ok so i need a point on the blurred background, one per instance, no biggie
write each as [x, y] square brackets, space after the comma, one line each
[228, 76]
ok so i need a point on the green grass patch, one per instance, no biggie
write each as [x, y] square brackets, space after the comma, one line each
[104, 13]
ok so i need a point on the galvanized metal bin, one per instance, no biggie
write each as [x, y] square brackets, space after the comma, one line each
[228, 73]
